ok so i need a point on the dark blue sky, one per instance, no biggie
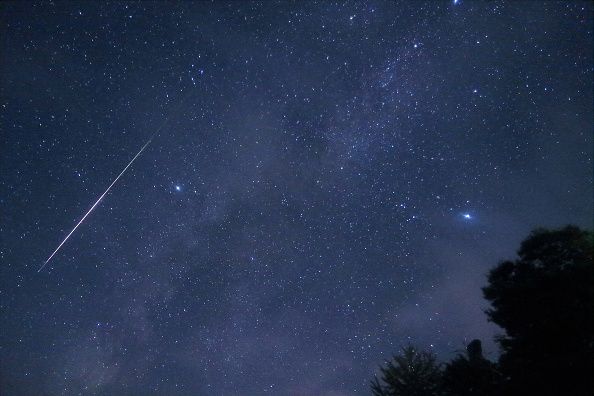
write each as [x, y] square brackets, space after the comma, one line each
[331, 182]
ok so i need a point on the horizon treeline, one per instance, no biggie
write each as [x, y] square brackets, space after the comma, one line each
[543, 300]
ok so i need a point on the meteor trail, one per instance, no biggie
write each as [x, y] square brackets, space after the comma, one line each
[98, 200]
[177, 108]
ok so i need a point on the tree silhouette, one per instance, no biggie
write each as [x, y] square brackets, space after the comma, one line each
[544, 302]
[412, 373]
[471, 374]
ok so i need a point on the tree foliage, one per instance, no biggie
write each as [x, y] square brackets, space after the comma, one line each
[471, 374]
[413, 373]
[544, 302]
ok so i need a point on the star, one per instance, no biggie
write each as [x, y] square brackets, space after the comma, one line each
[321, 156]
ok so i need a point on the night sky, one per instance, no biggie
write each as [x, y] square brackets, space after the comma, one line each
[327, 183]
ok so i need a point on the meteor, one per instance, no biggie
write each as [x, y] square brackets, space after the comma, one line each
[177, 108]
[98, 200]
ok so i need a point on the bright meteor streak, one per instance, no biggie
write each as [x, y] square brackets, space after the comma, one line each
[97, 202]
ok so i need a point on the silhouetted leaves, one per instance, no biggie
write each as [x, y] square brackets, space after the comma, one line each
[471, 374]
[412, 373]
[544, 302]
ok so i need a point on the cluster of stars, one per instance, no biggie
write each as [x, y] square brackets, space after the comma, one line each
[332, 182]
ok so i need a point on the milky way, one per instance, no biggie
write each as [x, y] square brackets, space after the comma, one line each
[335, 181]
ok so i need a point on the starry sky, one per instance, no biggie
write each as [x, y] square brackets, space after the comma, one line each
[328, 182]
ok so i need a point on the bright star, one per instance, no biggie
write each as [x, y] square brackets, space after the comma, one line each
[467, 216]
[177, 187]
